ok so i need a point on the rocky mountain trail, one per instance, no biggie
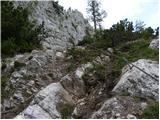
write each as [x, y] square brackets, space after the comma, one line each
[31, 73]
[20, 94]
[65, 80]
[89, 86]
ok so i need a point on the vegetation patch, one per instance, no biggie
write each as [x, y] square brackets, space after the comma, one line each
[81, 56]
[66, 111]
[19, 34]
[133, 52]
[152, 112]
[18, 65]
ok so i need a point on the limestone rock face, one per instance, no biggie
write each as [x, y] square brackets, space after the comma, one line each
[33, 71]
[154, 44]
[63, 28]
[45, 103]
[118, 108]
[137, 83]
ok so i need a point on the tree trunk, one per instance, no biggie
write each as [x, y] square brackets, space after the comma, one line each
[94, 16]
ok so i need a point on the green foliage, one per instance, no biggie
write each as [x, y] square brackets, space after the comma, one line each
[18, 65]
[66, 111]
[18, 33]
[135, 51]
[8, 46]
[71, 67]
[120, 32]
[100, 71]
[86, 40]
[152, 112]
[81, 56]
[97, 41]
[147, 33]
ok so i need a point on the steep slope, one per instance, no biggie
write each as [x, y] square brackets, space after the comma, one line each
[25, 74]
[63, 28]
[81, 82]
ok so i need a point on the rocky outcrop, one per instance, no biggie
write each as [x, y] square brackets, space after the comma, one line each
[73, 82]
[133, 82]
[29, 74]
[137, 83]
[46, 104]
[120, 107]
[40, 86]
[154, 44]
[63, 28]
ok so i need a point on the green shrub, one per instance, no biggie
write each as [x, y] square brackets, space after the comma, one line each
[66, 111]
[71, 67]
[8, 47]
[18, 33]
[18, 65]
[133, 52]
[152, 112]
[86, 40]
[82, 56]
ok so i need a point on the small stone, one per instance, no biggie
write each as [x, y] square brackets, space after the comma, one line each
[17, 75]
[100, 93]
[69, 57]
[29, 92]
[118, 115]
[79, 73]
[34, 90]
[110, 50]
[59, 55]
[143, 105]
[31, 83]
[130, 116]
[81, 47]
[82, 103]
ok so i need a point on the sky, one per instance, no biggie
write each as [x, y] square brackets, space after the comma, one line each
[143, 10]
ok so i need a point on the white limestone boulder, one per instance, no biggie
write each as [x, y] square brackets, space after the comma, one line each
[46, 102]
[119, 107]
[137, 83]
[154, 44]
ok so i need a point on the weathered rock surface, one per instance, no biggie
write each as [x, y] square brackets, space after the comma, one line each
[30, 73]
[154, 44]
[119, 107]
[64, 28]
[73, 82]
[46, 103]
[39, 69]
[102, 59]
[137, 83]
[33, 71]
